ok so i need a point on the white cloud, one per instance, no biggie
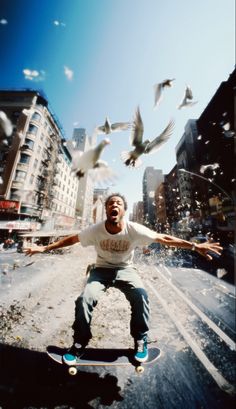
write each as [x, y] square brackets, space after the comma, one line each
[59, 23]
[68, 73]
[34, 75]
[3, 21]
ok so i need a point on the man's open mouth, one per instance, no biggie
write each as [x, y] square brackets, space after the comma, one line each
[114, 212]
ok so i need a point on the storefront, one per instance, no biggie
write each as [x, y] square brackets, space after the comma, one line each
[14, 228]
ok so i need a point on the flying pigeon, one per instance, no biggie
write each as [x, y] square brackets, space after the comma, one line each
[227, 131]
[132, 158]
[83, 162]
[109, 128]
[211, 166]
[187, 99]
[6, 128]
[158, 89]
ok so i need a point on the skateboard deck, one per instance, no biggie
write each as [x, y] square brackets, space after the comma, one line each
[103, 357]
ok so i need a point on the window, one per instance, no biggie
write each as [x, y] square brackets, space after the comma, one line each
[36, 117]
[24, 158]
[14, 195]
[35, 163]
[25, 209]
[31, 179]
[20, 175]
[33, 129]
[29, 142]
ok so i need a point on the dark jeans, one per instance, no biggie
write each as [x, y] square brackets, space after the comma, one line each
[127, 281]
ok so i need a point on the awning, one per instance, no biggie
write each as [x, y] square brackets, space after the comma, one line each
[50, 233]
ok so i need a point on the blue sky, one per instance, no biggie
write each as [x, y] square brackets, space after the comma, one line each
[115, 51]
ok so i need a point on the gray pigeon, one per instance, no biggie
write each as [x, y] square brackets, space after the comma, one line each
[132, 158]
[109, 128]
[158, 89]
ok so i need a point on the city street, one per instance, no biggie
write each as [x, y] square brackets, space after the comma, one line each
[117, 145]
[192, 321]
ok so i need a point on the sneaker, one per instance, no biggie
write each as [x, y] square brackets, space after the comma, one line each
[141, 350]
[73, 353]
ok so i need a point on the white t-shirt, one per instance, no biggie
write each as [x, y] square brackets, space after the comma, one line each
[116, 250]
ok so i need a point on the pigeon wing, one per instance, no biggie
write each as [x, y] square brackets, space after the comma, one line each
[188, 93]
[101, 129]
[154, 145]
[157, 94]
[136, 135]
[6, 127]
[102, 173]
[120, 126]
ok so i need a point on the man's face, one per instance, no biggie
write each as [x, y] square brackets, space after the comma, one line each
[115, 209]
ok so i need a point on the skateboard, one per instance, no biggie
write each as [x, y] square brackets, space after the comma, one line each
[104, 357]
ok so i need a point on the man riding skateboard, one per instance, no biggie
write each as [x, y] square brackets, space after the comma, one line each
[115, 240]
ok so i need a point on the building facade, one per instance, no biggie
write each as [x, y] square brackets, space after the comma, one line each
[217, 126]
[186, 159]
[32, 162]
[99, 198]
[152, 178]
[137, 215]
[84, 201]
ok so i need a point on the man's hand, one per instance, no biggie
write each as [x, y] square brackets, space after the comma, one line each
[30, 251]
[205, 248]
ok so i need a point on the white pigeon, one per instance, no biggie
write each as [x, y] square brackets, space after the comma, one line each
[83, 162]
[158, 90]
[211, 166]
[132, 158]
[227, 131]
[109, 128]
[187, 100]
[6, 127]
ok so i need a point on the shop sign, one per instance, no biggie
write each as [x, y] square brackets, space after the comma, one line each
[9, 206]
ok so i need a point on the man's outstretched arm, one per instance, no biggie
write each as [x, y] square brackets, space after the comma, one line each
[203, 249]
[66, 241]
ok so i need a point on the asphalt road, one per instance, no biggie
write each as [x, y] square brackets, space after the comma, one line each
[193, 321]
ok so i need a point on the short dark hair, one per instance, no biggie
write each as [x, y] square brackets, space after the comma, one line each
[119, 195]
